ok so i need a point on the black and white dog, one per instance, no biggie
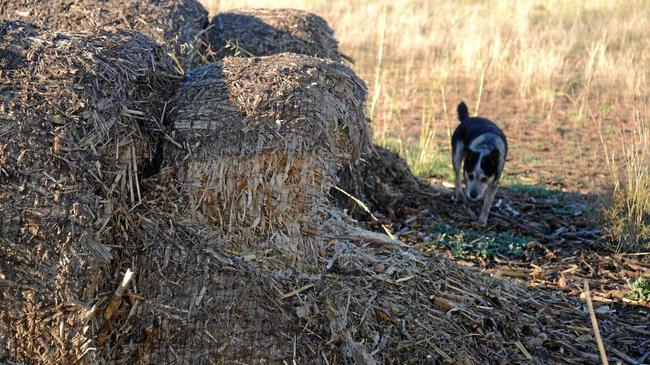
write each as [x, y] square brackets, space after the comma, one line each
[482, 148]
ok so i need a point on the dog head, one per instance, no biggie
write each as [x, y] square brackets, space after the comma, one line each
[481, 170]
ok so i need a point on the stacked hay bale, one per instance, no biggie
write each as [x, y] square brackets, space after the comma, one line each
[263, 32]
[252, 150]
[198, 298]
[71, 155]
[263, 137]
[253, 146]
[382, 180]
[175, 24]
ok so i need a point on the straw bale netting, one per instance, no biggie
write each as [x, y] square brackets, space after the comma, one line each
[71, 153]
[196, 297]
[175, 24]
[262, 138]
[263, 32]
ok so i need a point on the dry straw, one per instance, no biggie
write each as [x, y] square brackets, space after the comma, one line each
[262, 32]
[262, 138]
[71, 155]
[172, 23]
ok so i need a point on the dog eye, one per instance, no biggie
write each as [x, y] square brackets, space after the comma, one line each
[484, 179]
[470, 176]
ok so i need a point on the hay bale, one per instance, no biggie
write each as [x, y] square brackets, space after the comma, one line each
[198, 298]
[383, 181]
[174, 24]
[71, 153]
[263, 32]
[263, 137]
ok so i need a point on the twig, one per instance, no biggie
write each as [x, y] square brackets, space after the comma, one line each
[365, 207]
[117, 296]
[623, 356]
[594, 323]
[363, 235]
[523, 350]
[297, 291]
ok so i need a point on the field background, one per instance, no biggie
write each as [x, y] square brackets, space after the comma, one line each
[567, 80]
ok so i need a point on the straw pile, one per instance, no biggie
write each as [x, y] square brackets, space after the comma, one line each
[383, 182]
[71, 153]
[363, 299]
[261, 138]
[262, 32]
[172, 23]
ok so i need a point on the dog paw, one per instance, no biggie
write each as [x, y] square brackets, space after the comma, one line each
[459, 197]
[482, 221]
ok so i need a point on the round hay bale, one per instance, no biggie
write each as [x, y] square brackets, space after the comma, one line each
[175, 24]
[71, 151]
[264, 136]
[263, 32]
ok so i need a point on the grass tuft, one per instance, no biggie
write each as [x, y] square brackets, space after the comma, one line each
[627, 211]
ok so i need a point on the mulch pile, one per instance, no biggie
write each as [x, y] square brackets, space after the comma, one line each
[73, 106]
[175, 24]
[384, 183]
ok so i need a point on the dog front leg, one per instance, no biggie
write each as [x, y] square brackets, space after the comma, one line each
[487, 203]
[456, 161]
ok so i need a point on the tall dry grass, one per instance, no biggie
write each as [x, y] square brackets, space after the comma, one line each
[628, 209]
[543, 69]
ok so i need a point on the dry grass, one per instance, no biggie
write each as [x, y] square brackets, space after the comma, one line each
[542, 69]
[628, 211]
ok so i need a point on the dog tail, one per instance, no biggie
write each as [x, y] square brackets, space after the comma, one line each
[463, 112]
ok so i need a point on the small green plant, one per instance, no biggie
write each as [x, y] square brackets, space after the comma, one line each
[639, 289]
[461, 243]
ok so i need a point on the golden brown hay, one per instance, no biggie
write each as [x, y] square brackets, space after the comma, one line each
[262, 137]
[71, 154]
[172, 23]
[263, 32]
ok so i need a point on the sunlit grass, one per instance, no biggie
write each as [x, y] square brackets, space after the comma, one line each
[628, 209]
